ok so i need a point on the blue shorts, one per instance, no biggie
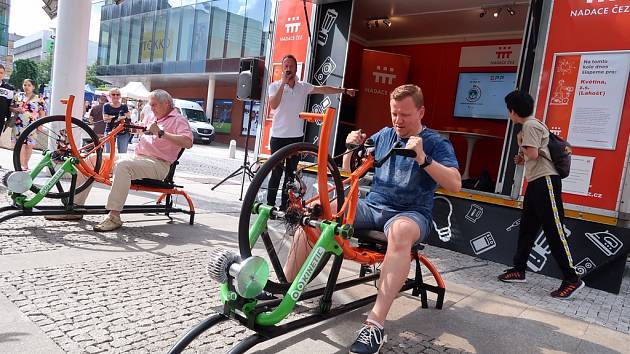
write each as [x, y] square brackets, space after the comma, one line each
[369, 217]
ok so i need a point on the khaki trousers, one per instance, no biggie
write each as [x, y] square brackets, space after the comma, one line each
[126, 170]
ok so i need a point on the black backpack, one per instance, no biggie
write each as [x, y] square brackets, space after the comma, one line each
[560, 152]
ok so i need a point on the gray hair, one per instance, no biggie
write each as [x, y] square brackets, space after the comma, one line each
[162, 96]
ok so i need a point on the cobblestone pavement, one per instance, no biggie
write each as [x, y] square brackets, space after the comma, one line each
[139, 304]
[590, 305]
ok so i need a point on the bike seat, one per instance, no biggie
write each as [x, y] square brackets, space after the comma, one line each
[378, 239]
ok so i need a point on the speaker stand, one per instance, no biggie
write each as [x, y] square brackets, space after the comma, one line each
[244, 169]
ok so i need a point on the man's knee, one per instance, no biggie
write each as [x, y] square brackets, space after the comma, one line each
[403, 233]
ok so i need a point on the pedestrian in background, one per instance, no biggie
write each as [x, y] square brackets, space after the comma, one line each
[29, 107]
[7, 92]
[114, 113]
[95, 117]
[542, 205]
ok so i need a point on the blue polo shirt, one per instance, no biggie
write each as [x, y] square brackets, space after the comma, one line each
[400, 184]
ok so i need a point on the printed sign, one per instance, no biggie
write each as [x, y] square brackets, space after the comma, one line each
[490, 55]
[582, 30]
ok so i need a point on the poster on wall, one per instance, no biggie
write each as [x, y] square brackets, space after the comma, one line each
[222, 116]
[381, 73]
[251, 118]
[578, 30]
[592, 87]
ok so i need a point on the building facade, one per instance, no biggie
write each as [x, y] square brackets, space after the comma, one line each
[190, 48]
[5, 6]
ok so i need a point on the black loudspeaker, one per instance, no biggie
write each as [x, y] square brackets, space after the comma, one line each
[249, 84]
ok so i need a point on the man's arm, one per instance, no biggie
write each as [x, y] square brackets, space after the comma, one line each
[447, 177]
[327, 90]
[356, 137]
[183, 141]
[276, 98]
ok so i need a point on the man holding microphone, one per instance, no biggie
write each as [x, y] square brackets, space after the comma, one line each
[287, 98]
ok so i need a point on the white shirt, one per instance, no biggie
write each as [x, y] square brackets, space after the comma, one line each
[286, 120]
[146, 113]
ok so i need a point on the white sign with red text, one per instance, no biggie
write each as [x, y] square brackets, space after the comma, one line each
[598, 100]
[490, 55]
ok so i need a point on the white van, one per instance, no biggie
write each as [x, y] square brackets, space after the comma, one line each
[203, 131]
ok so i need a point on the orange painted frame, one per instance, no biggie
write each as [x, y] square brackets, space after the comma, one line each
[102, 176]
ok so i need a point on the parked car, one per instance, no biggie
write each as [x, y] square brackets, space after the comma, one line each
[203, 131]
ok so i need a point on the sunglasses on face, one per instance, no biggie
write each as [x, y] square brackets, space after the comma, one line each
[114, 94]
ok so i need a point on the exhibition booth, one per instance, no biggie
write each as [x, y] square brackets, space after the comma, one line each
[466, 56]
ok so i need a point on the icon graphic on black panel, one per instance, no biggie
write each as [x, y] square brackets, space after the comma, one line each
[515, 224]
[321, 107]
[327, 24]
[325, 70]
[444, 229]
[474, 213]
[584, 266]
[606, 242]
[538, 256]
[483, 243]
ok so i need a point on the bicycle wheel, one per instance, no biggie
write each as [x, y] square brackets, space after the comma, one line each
[51, 135]
[275, 243]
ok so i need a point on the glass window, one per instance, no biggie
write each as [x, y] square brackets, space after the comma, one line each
[159, 37]
[202, 26]
[113, 43]
[136, 6]
[134, 42]
[172, 37]
[149, 5]
[146, 44]
[186, 33]
[175, 3]
[255, 14]
[125, 25]
[103, 43]
[219, 25]
[236, 26]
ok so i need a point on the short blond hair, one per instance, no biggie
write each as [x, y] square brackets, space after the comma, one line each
[408, 90]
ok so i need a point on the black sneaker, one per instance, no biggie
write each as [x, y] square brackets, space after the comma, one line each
[370, 340]
[513, 275]
[567, 290]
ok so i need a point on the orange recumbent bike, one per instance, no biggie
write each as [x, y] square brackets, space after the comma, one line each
[69, 147]
[266, 234]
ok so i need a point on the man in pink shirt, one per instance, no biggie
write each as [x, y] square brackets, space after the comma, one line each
[154, 154]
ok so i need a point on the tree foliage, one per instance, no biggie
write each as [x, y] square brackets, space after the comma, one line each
[90, 77]
[45, 70]
[24, 69]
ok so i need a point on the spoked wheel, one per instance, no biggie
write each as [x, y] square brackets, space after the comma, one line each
[49, 133]
[274, 244]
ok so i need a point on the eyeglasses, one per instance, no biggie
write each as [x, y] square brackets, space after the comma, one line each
[114, 94]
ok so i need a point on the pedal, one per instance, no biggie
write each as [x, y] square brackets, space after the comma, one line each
[17, 181]
[248, 277]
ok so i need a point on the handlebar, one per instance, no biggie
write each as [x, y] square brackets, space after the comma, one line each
[397, 149]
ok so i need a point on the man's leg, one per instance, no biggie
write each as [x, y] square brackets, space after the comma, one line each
[401, 235]
[528, 229]
[275, 144]
[552, 216]
[124, 172]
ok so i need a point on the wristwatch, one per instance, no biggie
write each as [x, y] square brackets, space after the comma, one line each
[427, 161]
[160, 133]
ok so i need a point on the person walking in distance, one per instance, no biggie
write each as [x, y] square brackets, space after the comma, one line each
[287, 98]
[542, 205]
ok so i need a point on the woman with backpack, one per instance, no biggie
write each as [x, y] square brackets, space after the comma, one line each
[542, 205]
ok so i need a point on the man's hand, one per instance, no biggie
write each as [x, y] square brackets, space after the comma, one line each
[107, 118]
[154, 129]
[415, 144]
[356, 137]
[351, 92]
[519, 159]
[286, 79]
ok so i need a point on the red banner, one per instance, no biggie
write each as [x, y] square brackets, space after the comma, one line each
[381, 72]
[291, 37]
[586, 26]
